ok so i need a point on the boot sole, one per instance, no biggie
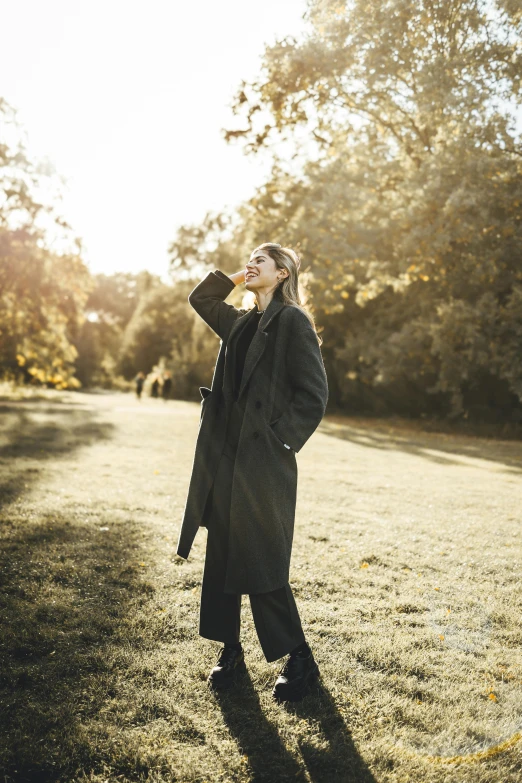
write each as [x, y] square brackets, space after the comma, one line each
[296, 694]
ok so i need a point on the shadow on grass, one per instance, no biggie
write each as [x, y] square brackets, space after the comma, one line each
[341, 760]
[32, 433]
[269, 759]
[65, 594]
[425, 444]
[43, 431]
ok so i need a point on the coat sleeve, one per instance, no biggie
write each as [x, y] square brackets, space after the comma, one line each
[207, 299]
[307, 376]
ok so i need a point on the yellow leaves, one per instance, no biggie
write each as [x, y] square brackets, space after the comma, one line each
[424, 277]
[492, 696]
[20, 359]
[441, 637]
[345, 294]
[38, 373]
[364, 564]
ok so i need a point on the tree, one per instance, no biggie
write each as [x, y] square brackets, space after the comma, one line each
[408, 199]
[109, 308]
[42, 292]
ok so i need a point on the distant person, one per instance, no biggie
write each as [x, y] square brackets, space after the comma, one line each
[167, 386]
[154, 389]
[139, 381]
[250, 519]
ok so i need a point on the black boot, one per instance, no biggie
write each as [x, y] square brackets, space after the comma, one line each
[299, 670]
[230, 663]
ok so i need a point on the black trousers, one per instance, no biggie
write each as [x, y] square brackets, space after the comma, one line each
[275, 614]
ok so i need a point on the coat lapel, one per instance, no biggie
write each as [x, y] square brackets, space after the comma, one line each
[256, 347]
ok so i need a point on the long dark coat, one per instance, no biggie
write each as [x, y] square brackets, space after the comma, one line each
[284, 392]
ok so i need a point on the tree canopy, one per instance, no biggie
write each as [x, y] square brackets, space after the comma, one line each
[406, 200]
[42, 292]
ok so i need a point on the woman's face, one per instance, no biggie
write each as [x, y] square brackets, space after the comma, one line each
[261, 272]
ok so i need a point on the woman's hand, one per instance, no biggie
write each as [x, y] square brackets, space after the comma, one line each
[238, 277]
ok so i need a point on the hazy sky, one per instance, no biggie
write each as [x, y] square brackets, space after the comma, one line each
[127, 99]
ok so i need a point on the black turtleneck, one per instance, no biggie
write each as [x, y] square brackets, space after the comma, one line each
[243, 343]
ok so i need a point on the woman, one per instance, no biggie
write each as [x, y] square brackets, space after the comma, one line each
[268, 395]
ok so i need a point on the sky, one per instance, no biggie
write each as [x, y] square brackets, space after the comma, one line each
[127, 99]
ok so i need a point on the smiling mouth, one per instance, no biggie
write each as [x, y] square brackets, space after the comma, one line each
[251, 274]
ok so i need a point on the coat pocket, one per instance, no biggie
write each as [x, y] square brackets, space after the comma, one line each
[278, 439]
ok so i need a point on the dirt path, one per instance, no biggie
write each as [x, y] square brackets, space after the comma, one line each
[406, 568]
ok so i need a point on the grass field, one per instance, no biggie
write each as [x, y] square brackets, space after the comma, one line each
[406, 569]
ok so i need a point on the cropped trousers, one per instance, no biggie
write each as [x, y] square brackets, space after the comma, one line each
[275, 614]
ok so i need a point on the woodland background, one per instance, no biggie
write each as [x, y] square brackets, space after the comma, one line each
[400, 186]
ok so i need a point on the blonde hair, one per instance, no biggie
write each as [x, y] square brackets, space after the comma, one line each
[288, 290]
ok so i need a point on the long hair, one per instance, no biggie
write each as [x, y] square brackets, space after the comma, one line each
[288, 290]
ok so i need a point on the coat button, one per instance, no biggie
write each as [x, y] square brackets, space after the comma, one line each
[258, 404]
[255, 435]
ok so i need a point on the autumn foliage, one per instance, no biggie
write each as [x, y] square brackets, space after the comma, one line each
[404, 194]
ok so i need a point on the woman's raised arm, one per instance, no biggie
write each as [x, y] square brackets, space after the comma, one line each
[207, 299]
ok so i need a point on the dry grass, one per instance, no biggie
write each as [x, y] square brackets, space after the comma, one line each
[406, 570]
